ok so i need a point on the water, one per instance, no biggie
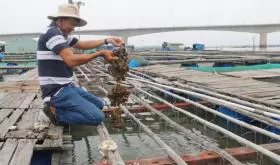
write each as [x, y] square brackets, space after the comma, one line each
[133, 143]
[249, 49]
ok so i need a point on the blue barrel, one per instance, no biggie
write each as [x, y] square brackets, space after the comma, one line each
[194, 65]
[234, 114]
[11, 71]
[11, 64]
[2, 55]
[274, 129]
[227, 65]
[133, 63]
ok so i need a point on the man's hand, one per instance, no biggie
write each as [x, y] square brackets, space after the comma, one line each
[108, 55]
[115, 41]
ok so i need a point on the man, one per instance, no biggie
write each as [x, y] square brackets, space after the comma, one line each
[68, 104]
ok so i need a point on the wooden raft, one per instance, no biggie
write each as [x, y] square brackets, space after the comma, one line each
[265, 92]
[23, 125]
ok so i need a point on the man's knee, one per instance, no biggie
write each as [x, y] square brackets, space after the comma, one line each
[99, 118]
[100, 104]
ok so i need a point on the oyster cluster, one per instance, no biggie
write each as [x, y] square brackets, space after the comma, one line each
[119, 68]
[118, 94]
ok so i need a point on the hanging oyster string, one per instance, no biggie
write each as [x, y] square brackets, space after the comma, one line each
[118, 94]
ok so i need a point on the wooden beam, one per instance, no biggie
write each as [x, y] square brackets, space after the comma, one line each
[208, 157]
[7, 151]
[24, 152]
[158, 106]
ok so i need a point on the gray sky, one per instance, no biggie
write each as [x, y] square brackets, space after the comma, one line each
[30, 16]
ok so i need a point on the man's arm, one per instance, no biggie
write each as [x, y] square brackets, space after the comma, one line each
[89, 44]
[72, 59]
[95, 43]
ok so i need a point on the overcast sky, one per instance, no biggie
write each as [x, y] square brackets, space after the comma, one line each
[30, 16]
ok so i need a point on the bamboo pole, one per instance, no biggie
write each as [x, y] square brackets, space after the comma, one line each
[246, 103]
[236, 121]
[114, 157]
[244, 97]
[190, 61]
[169, 151]
[161, 143]
[218, 95]
[226, 132]
[236, 107]
[189, 134]
[103, 137]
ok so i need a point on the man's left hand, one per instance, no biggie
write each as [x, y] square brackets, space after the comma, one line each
[115, 41]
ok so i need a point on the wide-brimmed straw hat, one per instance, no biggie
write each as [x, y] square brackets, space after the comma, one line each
[68, 10]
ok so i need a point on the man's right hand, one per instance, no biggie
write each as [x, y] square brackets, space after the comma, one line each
[108, 55]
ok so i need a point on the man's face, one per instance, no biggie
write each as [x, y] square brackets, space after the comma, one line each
[67, 25]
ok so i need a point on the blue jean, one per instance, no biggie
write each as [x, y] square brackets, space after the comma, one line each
[76, 106]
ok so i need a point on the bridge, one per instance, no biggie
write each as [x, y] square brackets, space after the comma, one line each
[261, 29]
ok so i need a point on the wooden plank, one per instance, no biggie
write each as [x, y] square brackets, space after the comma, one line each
[24, 152]
[16, 100]
[276, 101]
[37, 104]
[28, 100]
[8, 122]
[25, 127]
[2, 95]
[34, 89]
[53, 138]
[41, 123]
[7, 151]
[12, 100]
[208, 157]
[7, 99]
[4, 113]
[42, 119]
[271, 97]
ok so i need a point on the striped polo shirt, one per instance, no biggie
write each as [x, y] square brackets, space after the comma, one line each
[53, 72]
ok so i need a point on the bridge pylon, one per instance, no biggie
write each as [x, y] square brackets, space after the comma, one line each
[263, 40]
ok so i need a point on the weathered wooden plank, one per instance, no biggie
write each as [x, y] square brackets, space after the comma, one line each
[37, 104]
[54, 138]
[277, 96]
[252, 74]
[28, 100]
[209, 157]
[24, 152]
[33, 89]
[276, 101]
[2, 95]
[16, 101]
[7, 99]
[239, 84]
[25, 127]
[9, 84]
[4, 113]
[41, 122]
[12, 101]
[8, 122]
[55, 134]
[7, 151]
[260, 94]
[170, 70]
[150, 67]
